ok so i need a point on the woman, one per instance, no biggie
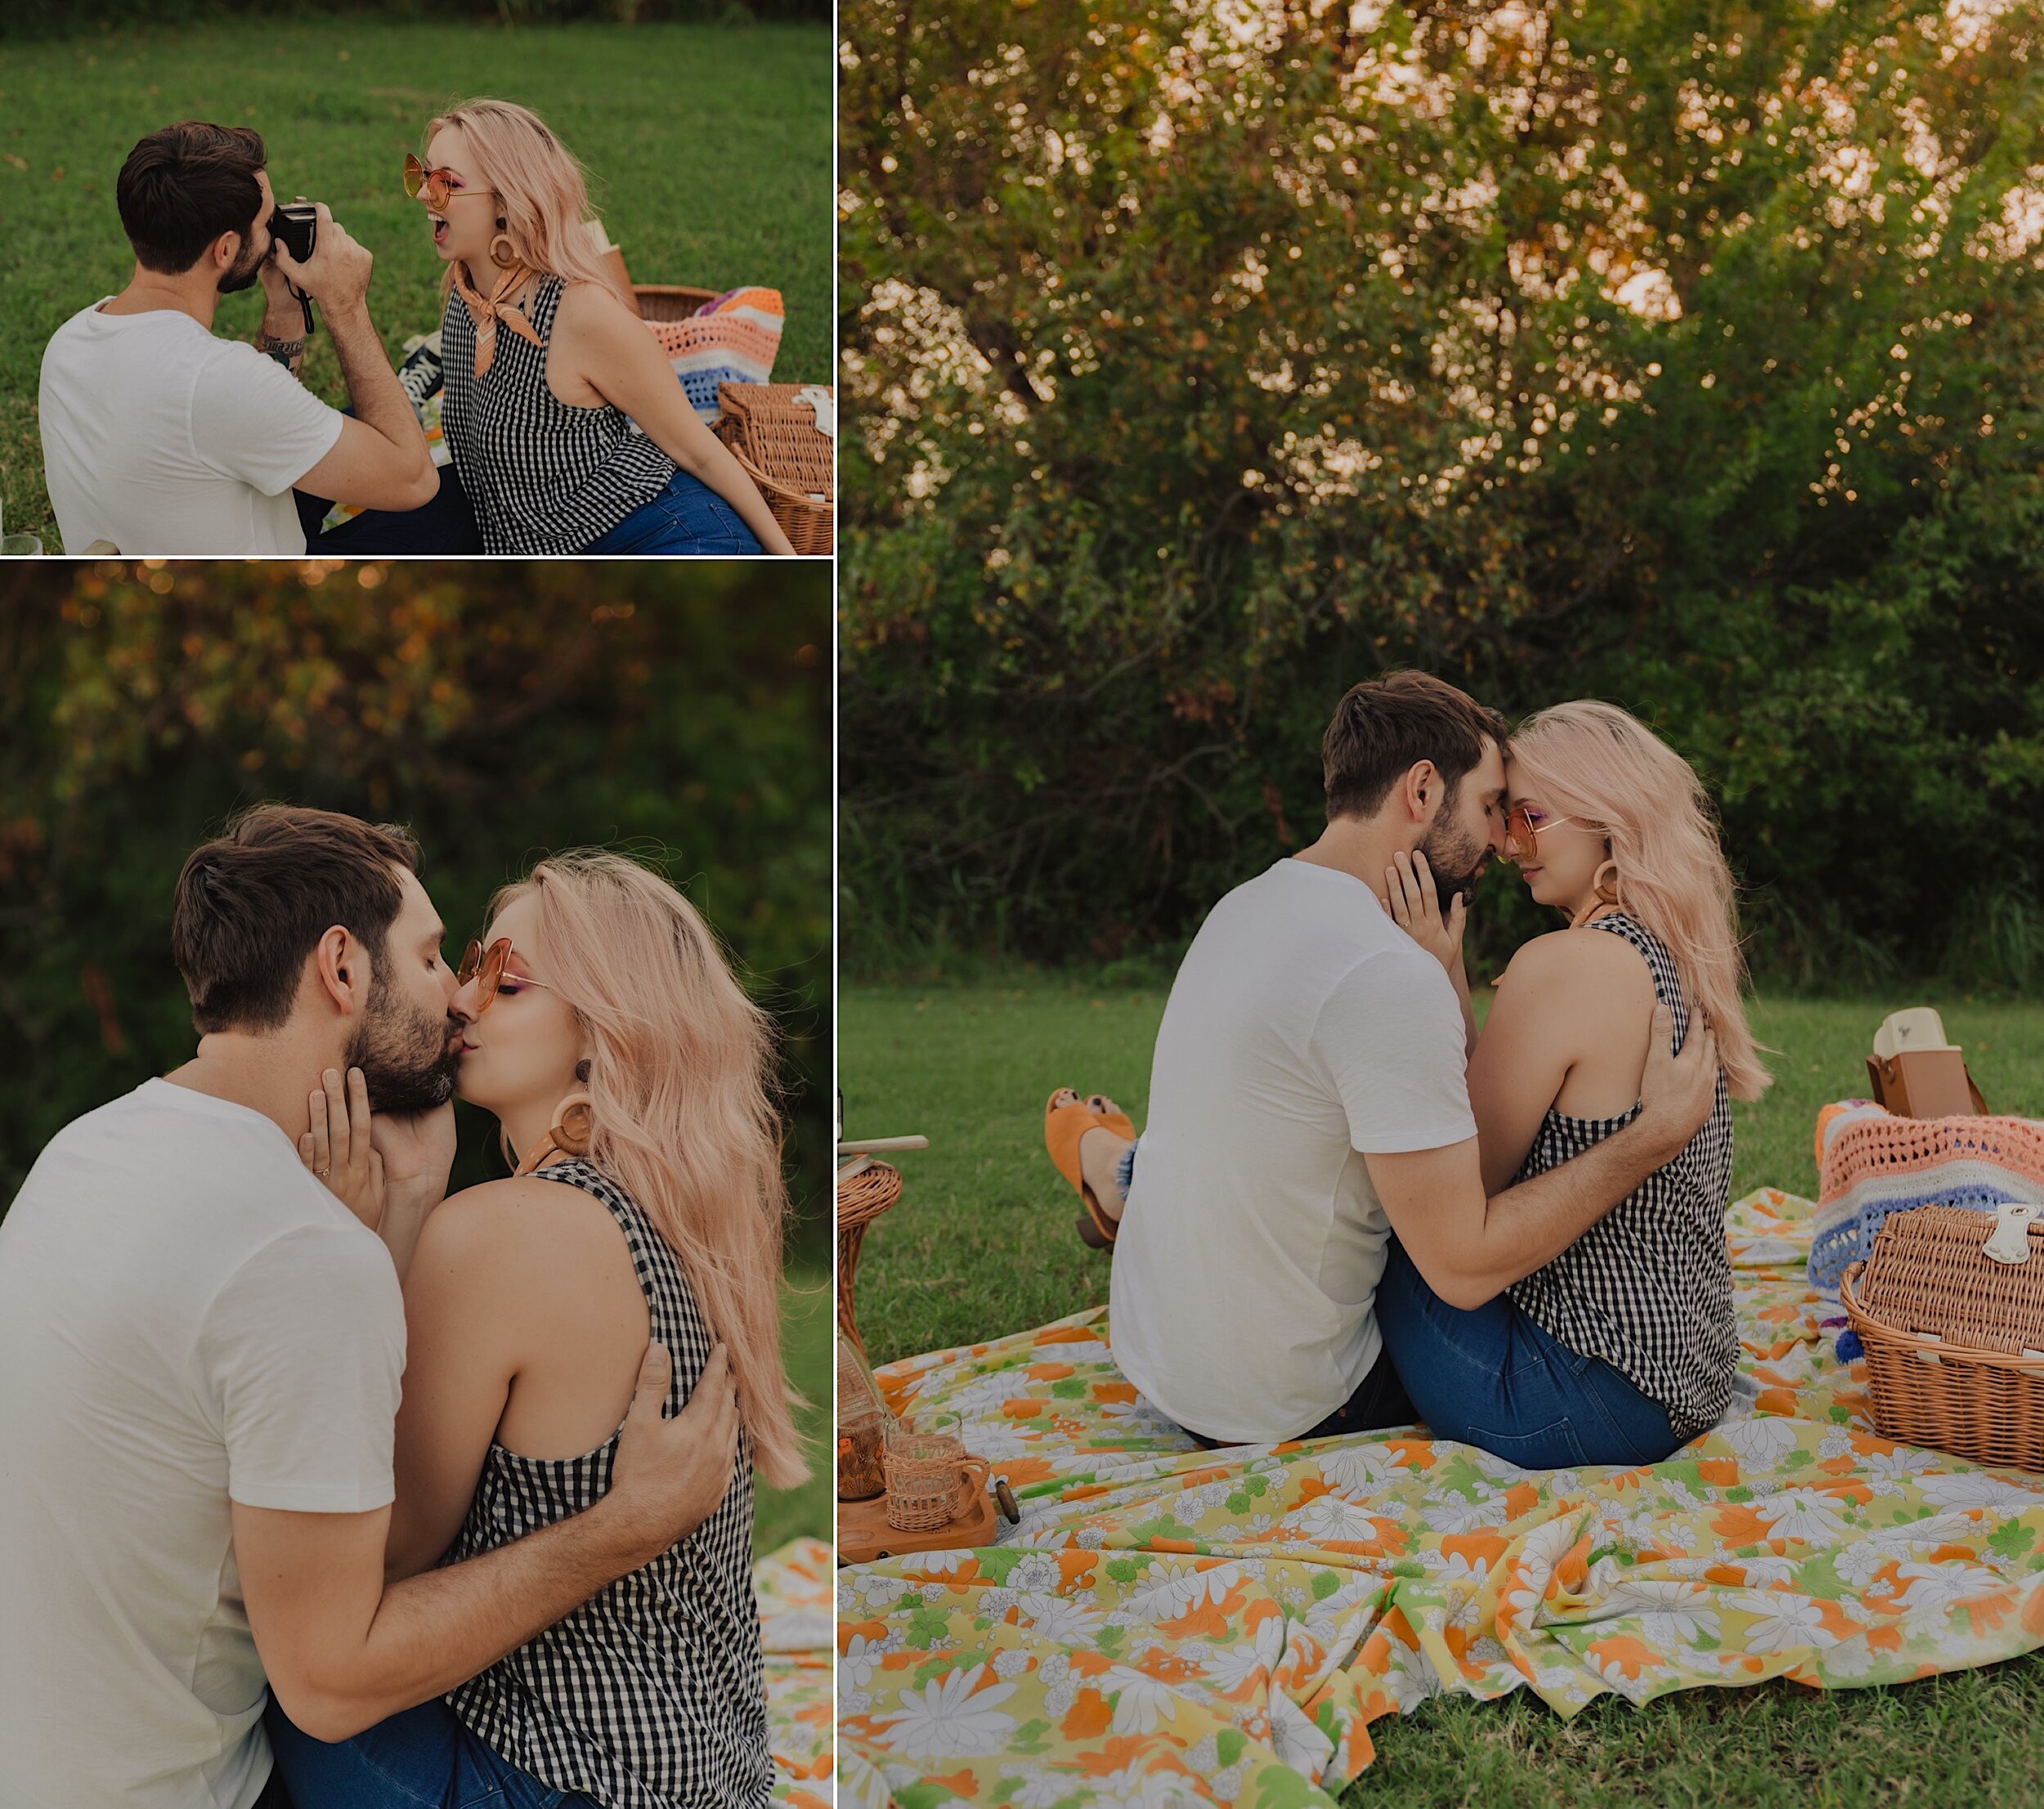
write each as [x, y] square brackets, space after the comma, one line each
[567, 427]
[629, 1076]
[1622, 1348]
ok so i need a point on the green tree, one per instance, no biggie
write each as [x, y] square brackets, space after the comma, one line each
[1207, 358]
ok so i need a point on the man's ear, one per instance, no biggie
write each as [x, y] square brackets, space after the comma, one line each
[223, 251]
[1422, 790]
[341, 965]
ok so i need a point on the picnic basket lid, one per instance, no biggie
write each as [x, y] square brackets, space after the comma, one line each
[1933, 1272]
[779, 434]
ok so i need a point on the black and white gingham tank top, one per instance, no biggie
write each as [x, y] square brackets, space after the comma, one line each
[652, 1694]
[543, 478]
[1648, 1286]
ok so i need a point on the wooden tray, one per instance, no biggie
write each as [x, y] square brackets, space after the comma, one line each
[863, 1534]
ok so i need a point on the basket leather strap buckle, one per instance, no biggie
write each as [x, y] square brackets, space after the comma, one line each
[2009, 1241]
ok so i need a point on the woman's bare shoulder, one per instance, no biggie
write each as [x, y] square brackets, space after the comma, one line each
[1575, 954]
[1594, 975]
[595, 307]
[522, 1222]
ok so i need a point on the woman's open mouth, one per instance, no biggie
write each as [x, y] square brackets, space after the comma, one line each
[440, 228]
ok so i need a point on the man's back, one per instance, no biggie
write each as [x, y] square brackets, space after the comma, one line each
[185, 1316]
[1303, 1027]
[163, 439]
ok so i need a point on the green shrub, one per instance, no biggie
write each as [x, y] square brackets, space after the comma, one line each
[1678, 354]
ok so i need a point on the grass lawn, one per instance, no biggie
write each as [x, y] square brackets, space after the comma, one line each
[982, 1243]
[780, 1514]
[709, 150]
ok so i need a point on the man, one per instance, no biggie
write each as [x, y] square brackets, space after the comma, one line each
[201, 1348]
[159, 438]
[1308, 1101]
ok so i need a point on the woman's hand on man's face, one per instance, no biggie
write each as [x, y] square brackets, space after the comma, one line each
[418, 1149]
[1415, 904]
[337, 1146]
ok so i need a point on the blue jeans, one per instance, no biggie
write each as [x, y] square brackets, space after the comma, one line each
[424, 1758]
[1378, 1403]
[687, 516]
[1493, 1378]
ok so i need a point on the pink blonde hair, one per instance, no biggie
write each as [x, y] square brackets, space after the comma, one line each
[680, 1080]
[541, 195]
[1610, 772]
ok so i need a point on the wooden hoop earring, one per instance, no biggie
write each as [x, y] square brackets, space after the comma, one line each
[1604, 894]
[573, 1125]
[573, 1129]
[503, 253]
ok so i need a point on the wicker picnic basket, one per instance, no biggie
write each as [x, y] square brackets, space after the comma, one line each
[791, 459]
[1952, 1323]
[866, 1189]
[669, 300]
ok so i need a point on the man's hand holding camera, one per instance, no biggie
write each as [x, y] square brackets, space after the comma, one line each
[336, 273]
[380, 461]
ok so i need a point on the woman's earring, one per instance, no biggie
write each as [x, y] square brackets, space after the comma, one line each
[503, 253]
[1606, 890]
[574, 1125]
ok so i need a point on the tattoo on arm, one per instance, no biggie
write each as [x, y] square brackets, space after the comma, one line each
[290, 353]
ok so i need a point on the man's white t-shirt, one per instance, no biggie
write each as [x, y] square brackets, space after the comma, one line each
[164, 439]
[1304, 1029]
[187, 1317]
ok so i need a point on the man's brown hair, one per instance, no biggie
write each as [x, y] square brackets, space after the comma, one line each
[1383, 727]
[253, 903]
[185, 185]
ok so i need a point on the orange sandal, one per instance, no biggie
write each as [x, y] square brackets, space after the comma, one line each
[1062, 1126]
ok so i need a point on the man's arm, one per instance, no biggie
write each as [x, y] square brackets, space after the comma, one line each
[381, 460]
[342, 1651]
[1469, 1248]
[281, 337]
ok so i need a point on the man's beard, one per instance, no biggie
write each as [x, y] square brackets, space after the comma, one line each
[247, 268]
[1455, 857]
[407, 1059]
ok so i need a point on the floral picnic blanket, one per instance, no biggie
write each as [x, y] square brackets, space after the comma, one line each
[793, 1584]
[1169, 1625]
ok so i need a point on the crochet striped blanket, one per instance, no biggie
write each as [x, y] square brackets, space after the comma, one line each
[1870, 1163]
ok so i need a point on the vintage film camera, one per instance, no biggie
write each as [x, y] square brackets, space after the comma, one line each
[295, 224]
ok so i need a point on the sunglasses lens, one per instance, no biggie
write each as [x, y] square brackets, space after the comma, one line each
[471, 959]
[490, 971]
